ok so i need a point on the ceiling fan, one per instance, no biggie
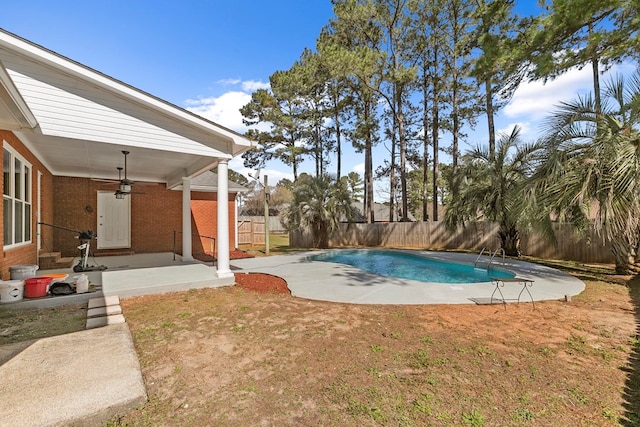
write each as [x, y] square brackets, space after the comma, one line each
[125, 185]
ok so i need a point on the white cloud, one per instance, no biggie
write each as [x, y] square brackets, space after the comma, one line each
[525, 129]
[230, 81]
[359, 168]
[224, 109]
[537, 99]
[274, 176]
[252, 85]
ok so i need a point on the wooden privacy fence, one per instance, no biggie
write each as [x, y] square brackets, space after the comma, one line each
[251, 232]
[251, 229]
[473, 237]
[275, 226]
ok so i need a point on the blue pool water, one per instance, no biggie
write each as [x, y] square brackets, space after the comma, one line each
[409, 266]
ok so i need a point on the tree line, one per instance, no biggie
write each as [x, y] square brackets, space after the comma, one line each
[407, 73]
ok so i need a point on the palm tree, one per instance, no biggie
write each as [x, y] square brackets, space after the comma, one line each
[319, 202]
[490, 188]
[590, 172]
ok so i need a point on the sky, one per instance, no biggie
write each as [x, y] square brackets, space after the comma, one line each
[209, 56]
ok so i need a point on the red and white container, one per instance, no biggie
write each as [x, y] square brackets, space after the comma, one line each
[36, 287]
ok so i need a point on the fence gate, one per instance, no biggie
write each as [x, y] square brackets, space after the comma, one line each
[251, 232]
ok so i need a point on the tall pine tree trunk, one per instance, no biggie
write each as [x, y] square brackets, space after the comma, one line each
[425, 148]
[435, 137]
[403, 156]
[392, 173]
[454, 143]
[368, 167]
[489, 105]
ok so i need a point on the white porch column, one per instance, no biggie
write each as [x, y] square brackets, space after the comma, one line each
[222, 240]
[187, 254]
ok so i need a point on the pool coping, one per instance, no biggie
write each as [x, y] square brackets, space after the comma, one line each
[326, 281]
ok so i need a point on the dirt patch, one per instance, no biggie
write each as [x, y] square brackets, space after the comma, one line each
[233, 356]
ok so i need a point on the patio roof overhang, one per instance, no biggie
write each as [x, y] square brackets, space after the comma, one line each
[77, 121]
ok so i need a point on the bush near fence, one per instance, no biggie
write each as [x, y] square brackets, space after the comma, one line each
[473, 237]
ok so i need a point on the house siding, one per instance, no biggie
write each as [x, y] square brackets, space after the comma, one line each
[69, 106]
[28, 253]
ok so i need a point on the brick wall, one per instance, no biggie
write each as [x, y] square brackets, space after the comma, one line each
[204, 220]
[72, 203]
[155, 215]
[27, 254]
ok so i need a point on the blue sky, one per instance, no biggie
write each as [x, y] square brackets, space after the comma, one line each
[209, 55]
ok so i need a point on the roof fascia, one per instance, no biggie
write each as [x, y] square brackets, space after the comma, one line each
[10, 96]
[195, 169]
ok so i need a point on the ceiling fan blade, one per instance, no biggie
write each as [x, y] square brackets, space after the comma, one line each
[110, 181]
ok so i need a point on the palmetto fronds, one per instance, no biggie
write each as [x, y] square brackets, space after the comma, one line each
[592, 164]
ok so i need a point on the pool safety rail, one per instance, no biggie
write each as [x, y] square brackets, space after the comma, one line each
[475, 264]
[500, 282]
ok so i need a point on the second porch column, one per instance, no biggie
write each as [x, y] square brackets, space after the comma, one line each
[222, 241]
[187, 254]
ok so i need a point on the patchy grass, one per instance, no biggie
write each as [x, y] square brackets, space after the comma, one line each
[246, 358]
[25, 325]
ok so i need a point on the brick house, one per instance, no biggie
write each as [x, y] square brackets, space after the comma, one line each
[71, 135]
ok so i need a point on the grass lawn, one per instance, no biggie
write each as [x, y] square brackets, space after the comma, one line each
[278, 244]
[234, 357]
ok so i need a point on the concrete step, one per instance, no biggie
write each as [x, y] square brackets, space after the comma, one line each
[110, 310]
[53, 260]
[103, 301]
[97, 322]
[104, 311]
[65, 262]
[50, 255]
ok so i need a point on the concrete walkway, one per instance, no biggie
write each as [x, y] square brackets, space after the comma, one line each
[78, 379]
[328, 281]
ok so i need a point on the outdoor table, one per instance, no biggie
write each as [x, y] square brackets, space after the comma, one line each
[500, 283]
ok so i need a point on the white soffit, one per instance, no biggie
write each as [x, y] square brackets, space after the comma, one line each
[72, 101]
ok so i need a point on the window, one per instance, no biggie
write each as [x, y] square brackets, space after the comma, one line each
[16, 198]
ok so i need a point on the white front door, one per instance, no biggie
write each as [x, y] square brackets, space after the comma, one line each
[114, 221]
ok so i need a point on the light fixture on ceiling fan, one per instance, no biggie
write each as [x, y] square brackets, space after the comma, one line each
[123, 188]
[125, 185]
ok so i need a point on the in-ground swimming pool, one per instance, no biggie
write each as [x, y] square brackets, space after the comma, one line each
[409, 266]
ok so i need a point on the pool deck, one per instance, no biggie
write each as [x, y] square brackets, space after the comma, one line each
[326, 281]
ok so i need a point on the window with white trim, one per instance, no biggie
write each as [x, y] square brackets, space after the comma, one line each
[16, 198]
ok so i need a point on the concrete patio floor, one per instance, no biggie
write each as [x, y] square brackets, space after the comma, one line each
[328, 281]
[131, 275]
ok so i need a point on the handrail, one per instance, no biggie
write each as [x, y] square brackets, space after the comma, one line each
[212, 241]
[479, 255]
[494, 255]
